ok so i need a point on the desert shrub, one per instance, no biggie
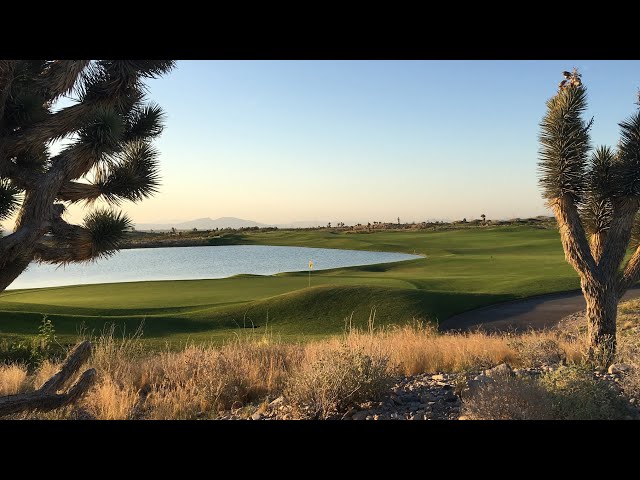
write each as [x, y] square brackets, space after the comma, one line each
[630, 383]
[577, 395]
[629, 352]
[534, 349]
[337, 379]
[568, 393]
[509, 398]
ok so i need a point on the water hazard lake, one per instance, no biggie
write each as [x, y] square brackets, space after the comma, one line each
[186, 263]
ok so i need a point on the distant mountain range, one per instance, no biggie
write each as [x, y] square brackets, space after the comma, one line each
[222, 222]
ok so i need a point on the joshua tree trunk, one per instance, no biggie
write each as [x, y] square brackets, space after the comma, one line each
[601, 314]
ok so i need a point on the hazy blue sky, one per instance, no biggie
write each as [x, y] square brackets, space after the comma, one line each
[279, 141]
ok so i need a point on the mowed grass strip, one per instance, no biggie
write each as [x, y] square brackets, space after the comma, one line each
[461, 270]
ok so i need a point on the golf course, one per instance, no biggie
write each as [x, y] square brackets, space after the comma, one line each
[460, 270]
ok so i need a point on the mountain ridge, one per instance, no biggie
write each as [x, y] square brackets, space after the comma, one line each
[207, 223]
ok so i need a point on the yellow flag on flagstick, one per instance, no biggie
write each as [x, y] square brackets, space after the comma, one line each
[310, 264]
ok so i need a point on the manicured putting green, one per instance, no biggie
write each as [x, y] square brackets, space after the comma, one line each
[462, 269]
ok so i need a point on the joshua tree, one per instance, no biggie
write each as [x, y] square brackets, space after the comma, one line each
[595, 196]
[106, 155]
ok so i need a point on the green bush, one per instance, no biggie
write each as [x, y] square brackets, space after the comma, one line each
[33, 352]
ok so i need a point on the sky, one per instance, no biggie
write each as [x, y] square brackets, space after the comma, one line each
[360, 141]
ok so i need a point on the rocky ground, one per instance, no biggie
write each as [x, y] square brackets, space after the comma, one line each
[419, 397]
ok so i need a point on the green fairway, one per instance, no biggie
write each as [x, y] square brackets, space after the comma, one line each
[462, 269]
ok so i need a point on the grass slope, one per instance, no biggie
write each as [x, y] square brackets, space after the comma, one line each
[462, 269]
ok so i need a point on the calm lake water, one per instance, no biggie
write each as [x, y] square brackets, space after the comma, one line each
[183, 263]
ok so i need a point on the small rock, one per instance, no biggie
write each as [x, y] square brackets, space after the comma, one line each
[475, 384]
[277, 401]
[256, 416]
[618, 368]
[450, 397]
[464, 417]
[426, 397]
[236, 405]
[502, 370]
[362, 415]
[439, 377]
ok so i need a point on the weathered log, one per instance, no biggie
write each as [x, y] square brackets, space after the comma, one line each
[71, 365]
[46, 397]
[45, 402]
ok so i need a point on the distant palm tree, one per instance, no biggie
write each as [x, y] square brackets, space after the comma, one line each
[108, 128]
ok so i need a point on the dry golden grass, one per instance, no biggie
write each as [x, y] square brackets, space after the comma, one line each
[199, 381]
[45, 371]
[13, 379]
[421, 349]
[109, 401]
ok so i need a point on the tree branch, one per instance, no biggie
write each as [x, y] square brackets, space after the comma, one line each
[77, 191]
[60, 77]
[596, 243]
[53, 127]
[574, 241]
[630, 274]
[22, 177]
[7, 67]
[618, 236]
[12, 266]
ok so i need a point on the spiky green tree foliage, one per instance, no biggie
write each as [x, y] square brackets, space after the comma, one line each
[107, 155]
[595, 196]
